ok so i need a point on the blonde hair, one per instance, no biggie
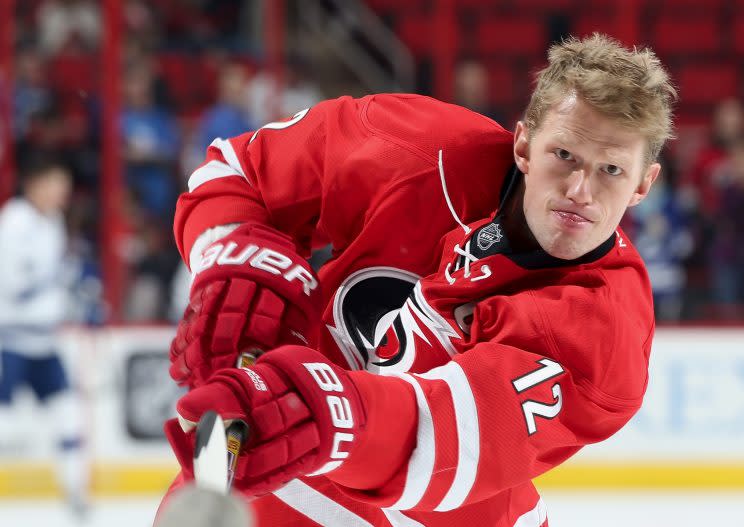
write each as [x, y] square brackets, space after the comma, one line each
[631, 86]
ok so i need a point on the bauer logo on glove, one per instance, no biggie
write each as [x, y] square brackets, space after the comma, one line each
[265, 259]
[252, 291]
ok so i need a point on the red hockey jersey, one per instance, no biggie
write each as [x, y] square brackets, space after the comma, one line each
[517, 360]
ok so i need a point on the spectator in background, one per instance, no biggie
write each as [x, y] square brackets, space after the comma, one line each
[38, 120]
[726, 250]
[33, 304]
[194, 25]
[227, 18]
[473, 90]
[43, 119]
[663, 239]
[701, 186]
[267, 103]
[151, 143]
[141, 24]
[229, 116]
[88, 305]
[153, 262]
[726, 129]
[65, 25]
[32, 94]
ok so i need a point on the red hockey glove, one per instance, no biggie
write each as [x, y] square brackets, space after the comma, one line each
[304, 414]
[252, 291]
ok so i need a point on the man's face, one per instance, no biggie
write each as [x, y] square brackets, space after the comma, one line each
[582, 170]
[51, 191]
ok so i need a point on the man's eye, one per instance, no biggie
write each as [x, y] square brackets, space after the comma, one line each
[613, 170]
[562, 153]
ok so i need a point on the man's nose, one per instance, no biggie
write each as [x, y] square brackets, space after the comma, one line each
[579, 187]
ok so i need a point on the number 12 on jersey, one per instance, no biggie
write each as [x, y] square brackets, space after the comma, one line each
[548, 370]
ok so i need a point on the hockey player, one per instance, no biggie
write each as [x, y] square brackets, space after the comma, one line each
[33, 303]
[483, 317]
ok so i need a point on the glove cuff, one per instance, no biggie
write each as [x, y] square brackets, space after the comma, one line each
[392, 419]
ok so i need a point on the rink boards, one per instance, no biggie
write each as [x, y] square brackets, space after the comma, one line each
[688, 435]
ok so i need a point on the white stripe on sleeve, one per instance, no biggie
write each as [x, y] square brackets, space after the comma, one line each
[317, 506]
[398, 519]
[211, 171]
[228, 152]
[468, 433]
[534, 518]
[421, 463]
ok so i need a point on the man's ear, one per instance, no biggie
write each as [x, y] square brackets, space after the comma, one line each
[522, 147]
[652, 172]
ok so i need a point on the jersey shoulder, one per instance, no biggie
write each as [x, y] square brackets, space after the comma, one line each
[608, 329]
[16, 213]
[467, 152]
[429, 124]
[596, 319]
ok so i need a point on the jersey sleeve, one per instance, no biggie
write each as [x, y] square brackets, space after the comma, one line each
[514, 407]
[319, 175]
[275, 176]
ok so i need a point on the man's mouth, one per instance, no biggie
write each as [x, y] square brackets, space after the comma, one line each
[572, 216]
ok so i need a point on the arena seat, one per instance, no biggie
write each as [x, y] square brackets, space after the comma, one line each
[708, 83]
[588, 23]
[507, 35]
[687, 35]
[181, 79]
[74, 76]
[415, 32]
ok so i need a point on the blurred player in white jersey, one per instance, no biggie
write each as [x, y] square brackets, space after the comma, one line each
[33, 303]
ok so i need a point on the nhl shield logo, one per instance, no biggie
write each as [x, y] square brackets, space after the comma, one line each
[489, 235]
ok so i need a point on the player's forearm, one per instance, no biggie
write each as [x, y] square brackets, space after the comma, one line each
[478, 434]
[223, 202]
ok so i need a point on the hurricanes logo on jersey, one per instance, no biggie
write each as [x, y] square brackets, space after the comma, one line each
[381, 317]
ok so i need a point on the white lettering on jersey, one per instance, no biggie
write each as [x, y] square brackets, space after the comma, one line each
[265, 259]
[281, 125]
[549, 370]
[620, 240]
[548, 411]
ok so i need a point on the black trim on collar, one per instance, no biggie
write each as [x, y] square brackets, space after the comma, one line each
[511, 181]
[540, 259]
[490, 239]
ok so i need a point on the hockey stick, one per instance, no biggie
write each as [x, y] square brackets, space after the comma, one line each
[217, 450]
[208, 502]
